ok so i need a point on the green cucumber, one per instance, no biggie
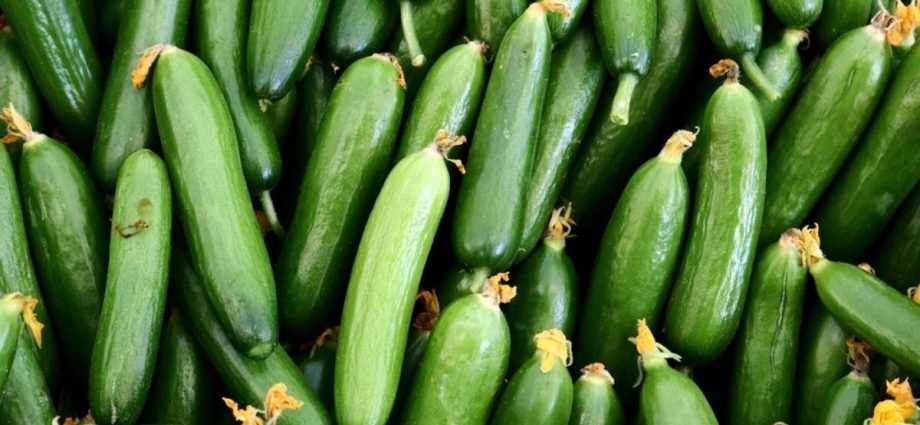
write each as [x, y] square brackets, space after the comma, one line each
[282, 35]
[357, 28]
[562, 26]
[595, 402]
[280, 115]
[489, 20]
[822, 360]
[711, 285]
[247, 378]
[26, 399]
[490, 207]
[318, 365]
[884, 370]
[346, 169]
[458, 282]
[207, 179]
[576, 78]
[126, 122]
[796, 13]
[17, 87]
[14, 310]
[463, 367]
[763, 374]
[610, 152]
[137, 276]
[417, 343]
[641, 245]
[58, 50]
[436, 25]
[387, 270]
[110, 16]
[896, 253]
[834, 107]
[839, 17]
[541, 390]
[182, 387]
[626, 31]
[850, 399]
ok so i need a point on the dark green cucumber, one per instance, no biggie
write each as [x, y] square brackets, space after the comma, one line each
[207, 180]
[710, 289]
[896, 253]
[88, 13]
[463, 367]
[247, 378]
[863, 199]
[135, 291]
[110, 18]
[541, 390]
[489, 20]
[66, 69]
[626, 31]
[17, 87]
[346, 169]
[448, 98]
[822, 360]
[839, 17]
[126, 122]
[849, 401]
[356, 28]
[387, 270]
[834, 107]
[562, 26]
[610, 152]
[641, 245]
[576, 78]
[280, 115]
[763, 375]
[458, 282]
[796, 13]
[318, 365]
[282, 35]
[490, 207]
[182, 387]
[436, 25]
[594, 401]
[26, 399]
[417, 342]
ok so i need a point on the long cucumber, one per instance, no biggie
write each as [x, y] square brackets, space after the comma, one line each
[626, 31]
[594, 401]
[894, 257]
[839, 17]
[822, 360]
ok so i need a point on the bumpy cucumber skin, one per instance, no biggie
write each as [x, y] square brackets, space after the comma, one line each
[126, 123]
[814, 140]
[576, 79]
[26, 399]
[595, 403]
[17, 87]
[626, 31]
[849, 401]
[669, 397]
[459, 282]
[356, 28]
[796, 13]
[710, 289]
[202, 156]
[822, 360]
[839, 17]
[388, 267]
[280, 115]
[896, 253]
[535, 397]
[463, 367]
[436, 25]
[563, 27]
[490, 206]
[489, 20]
[318, 369]
[346, 169]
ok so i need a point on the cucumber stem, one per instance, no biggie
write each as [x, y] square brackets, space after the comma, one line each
[268, 206]
[619, 113]
[408, 27]
[760, 80]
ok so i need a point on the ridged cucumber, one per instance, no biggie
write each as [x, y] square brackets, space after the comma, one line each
[17, 87]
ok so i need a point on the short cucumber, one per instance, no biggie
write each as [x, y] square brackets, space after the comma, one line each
[458, 282]
[594, 401]
[563, 27]
[839, 17]
[282, 35]
[387, 269]
[489, 20]
[17, 87]
[436, 26]
[626, 31]
[541, 390]
[849, 401]
[318, 365]
[894, 257]
[357, 28]
[796, 13]
[346, 169]
[822, 360]
[137, 276]
[417, 343]
[26, 399]
[280, 115]
[15, 309]
[711, 285]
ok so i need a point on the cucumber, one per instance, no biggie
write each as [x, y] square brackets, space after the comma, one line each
[26, 398]
[280, 115]
[207, 179]
[626, 31]
[59, 52]
[356, 28]
[490, 207]
[12, 307]
[576, 78]
[562, 26]
[862, 200]
[489, 20]
[387, 270]
[282, 35]
[126, 123]
[594, 401]
[884, 370]
[137, 276]
[796, 13]
[822, 360]
[436, 25]
[894, 257]
[849, 401]
[541, 390]
[344, 173]
[763, 374]
[17, 87]
[547, 290]
[318, 365]
[448, 98]
[110, 16]
[610, 152]
[458, 282]
[709, 293]
[247, 378]
[834, 107]
[839, 17]
[417, 343]
[182, 389]
[464, 365]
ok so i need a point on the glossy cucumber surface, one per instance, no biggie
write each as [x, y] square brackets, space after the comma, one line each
[489, 20]
[17, 86]
[436, 25]
[839, 17]
[669, 397]
[894, 257]
[534, 395]
[822, 360]
[356, 28]
[849, 401]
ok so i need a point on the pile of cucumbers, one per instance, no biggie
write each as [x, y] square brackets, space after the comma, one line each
[371, 212]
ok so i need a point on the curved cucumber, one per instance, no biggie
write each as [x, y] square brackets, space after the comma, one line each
[595, 402]
[849, 401]
[894, 259]
[563, 27]
[346, 169]
[318, 365]
[839, 17]
[17, 87]
[436, 26]
[796, 13]
[822, 360]
[280, 115]
[26, 398]
[459, 282]
[489, 20]
[356, 28]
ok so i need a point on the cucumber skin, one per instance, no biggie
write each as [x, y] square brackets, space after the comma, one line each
[416, 344]
[796, 13]
[356, 28]
[563, 27]
[201, 154]
[459, 282]
[850, 401]
[344, 174]
[26, 398]
[220, 37]
[535, 397]
[135, 292]
[626, 31]
[10, 326]
[839, 17]
[318, 369]
[595, 403]
[823, 126]
[490, 207]
[669, 397]
[461, 372]
[387, 270]
[735, 28]
[280, 115]
[763, 374]
[489, 20]
[436, 25]
[711, 285]
[126, 123]
[895, 254]
[61, 56]
[17, 87]
[862, 200]
[282, 35]
[822, 360]
[576, 79]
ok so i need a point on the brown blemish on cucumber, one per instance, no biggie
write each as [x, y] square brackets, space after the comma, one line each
[425, 320]
[16, 126]
[859, 355]
[145, 63]
[132, 229]
[727, 68]
[444, 142]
